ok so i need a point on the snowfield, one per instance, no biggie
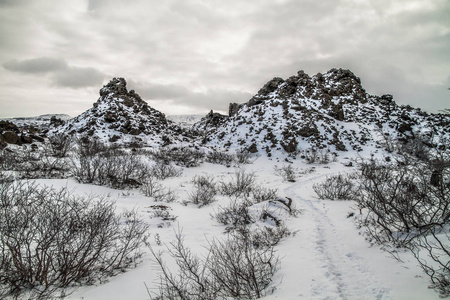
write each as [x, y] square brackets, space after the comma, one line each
[326, 257]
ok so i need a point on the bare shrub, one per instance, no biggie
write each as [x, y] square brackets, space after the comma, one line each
[232, 269]
[165, 195]
[235, 215]
[240, 185]
[287, 172]
[245, 157]
[41, 165]
[185, 156]
[433, 253]
[59, 144]
[52, 239]
[109, 166]
[266, 236]
[318, 156]
[162, 171]
[150, 186]
[407, 205]
[162, 212]
[8, 159]
[30, 163]
[262, 194]
[221, 158]
[204, 190]
[337, 187]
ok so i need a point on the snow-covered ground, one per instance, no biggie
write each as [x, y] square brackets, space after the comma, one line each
[327, 257]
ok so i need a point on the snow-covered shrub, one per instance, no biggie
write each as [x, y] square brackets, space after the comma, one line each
[267, 236]
[41, 165]
[32, 163]
[221, 158]
[244, 157]
[162, 212]
[317, 156]
[8, 159]
[204, 190]
[150, 186]
[235, 215]
[262, 194]
[165, 195]
[111, 167]
[162, 171]
[337, 187]
[233, 269]
[407, 204]
[184, 156]
[52, 239]
[287, 172]
[240, 185]
[59, 145]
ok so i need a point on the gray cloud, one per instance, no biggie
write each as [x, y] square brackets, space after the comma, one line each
[61, 74]
[206, 53]
[36, 65]
[75, 77]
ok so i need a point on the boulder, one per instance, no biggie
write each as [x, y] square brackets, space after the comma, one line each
[11, 137]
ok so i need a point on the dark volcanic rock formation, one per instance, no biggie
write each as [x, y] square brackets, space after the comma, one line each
[120, 115]
[330, 110]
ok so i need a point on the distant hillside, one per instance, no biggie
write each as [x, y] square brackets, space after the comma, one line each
[185, 121]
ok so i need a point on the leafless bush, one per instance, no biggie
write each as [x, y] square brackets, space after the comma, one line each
[287, 172]
[86, 147]
[235, 215]
[112, 167]
[337, 187]
[266, 236]
[318, 156]
[408, 205]
[433, 253]
[244, 157]
[204, 190]
[150, 186]
[221, 158]
[185, 156]
[240, 185]
[162, 212]
[8, 159]
[262, 194]
[165, 195]
[52, 239]
[232, 269]
[162, 171]
[59, 144]
[30, 163]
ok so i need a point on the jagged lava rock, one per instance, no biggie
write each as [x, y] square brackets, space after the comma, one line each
[120, 115]
[326, 111]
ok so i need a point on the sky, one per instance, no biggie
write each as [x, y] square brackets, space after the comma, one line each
[191, 56]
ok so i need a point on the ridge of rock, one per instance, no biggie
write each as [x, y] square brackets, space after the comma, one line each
[326, 111]
[122, 116]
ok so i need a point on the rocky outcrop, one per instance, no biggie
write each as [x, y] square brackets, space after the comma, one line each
[120, 115]
[12, 134]
[330, 110]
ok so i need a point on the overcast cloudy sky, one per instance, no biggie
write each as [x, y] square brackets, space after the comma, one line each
[190, 56]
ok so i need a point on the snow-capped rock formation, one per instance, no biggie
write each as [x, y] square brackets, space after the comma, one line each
[122, 116]
[330, 110]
